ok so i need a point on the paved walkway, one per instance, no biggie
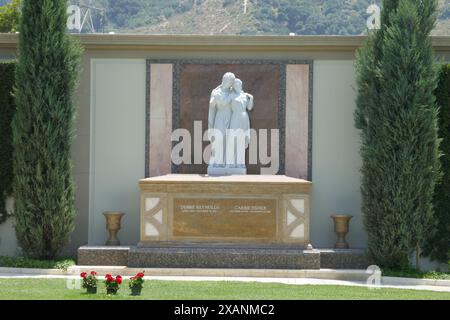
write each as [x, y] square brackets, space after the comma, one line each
[291, 281]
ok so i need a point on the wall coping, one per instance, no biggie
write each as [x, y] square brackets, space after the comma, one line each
[219, 42]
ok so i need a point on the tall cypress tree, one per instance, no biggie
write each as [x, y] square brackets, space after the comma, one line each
[397, 115]
[438, 244]
[43, 128]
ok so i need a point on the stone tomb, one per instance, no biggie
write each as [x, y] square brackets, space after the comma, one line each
[227, 209]
[247, 221]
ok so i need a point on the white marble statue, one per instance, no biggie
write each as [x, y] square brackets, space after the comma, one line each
[229, 127]
[219, 119]
[238, 138]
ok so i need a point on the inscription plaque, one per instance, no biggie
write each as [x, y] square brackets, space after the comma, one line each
[234, 218]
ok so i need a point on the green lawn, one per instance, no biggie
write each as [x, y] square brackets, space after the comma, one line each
[183, 290]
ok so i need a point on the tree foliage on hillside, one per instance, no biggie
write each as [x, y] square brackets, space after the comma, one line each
[269, 16]
[340, 17]
[135, 13]
[9, 16]
[304, 17]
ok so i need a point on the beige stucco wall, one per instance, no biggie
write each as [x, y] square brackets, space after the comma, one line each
[109, 159]
[117, 144]
[336, 161]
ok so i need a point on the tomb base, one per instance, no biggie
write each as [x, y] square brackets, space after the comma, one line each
[214, 256]
[223, 256]
[237, 209]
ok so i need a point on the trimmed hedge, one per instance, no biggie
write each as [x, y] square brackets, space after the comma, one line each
[438, 245]
[23, 262]
[7, 110]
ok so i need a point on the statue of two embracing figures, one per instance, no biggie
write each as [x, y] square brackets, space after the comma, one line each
[229, 127]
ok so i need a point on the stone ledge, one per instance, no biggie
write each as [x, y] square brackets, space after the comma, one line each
[241, 258]
[222, 256]
[103, 255]
[343, 259]
[221, 42]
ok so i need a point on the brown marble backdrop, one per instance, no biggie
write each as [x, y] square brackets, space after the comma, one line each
[198, 80]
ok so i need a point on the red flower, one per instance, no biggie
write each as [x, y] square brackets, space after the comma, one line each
[140, 275]
[118, 280]
[93, 273]
[83, 275]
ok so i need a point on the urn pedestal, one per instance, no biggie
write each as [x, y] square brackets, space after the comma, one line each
[341, 228]
[113, 219]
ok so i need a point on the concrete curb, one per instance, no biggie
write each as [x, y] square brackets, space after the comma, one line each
[349, 275]
[396, 281]
[356, 275]
[32, 271]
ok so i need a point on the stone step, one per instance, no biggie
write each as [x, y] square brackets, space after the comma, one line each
[222, 256]
[210, 257]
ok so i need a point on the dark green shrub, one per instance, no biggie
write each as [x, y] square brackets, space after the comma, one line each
[398, 118]
[438, 244]
[23, 262]
[7, 110]
[43, 129]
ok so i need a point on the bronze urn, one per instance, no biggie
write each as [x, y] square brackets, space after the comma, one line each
[341, 222]
[113, 219]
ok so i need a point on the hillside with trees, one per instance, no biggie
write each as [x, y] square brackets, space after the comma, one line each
[280, 17]
[303, 17]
